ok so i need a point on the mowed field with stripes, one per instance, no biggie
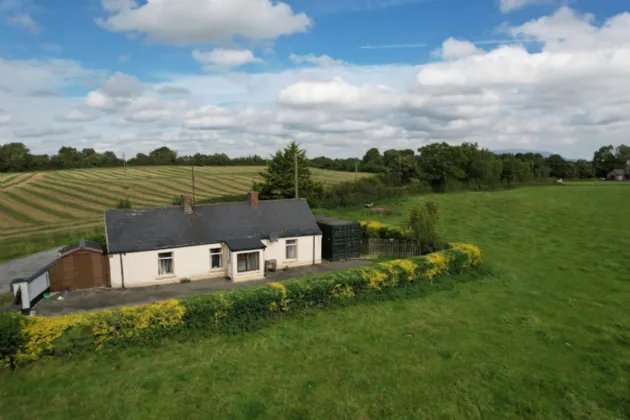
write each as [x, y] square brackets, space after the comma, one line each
[39, 203]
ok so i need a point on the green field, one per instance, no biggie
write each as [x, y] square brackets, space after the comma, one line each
[57, 203]
[546, 336]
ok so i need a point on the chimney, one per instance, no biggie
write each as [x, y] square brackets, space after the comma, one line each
[187, 203]
[252, 197]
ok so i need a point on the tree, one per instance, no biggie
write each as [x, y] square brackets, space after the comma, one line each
[373, 156]
[421, 224]
[279, 178]
[162, 156]
[604, 161]
[441, 162]
[583, 169]
[560, 168]
[14, 157]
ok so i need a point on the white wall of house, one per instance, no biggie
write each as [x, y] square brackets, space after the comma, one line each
[276, 250]
[193, 262]
[141, 268]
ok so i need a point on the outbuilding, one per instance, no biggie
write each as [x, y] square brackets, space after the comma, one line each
[341, 239]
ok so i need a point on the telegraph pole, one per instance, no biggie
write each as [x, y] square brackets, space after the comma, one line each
[125, 166]
[295, 160]
[193, 183]
[356, 170]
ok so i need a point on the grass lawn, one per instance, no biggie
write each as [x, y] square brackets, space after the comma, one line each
[546, 336]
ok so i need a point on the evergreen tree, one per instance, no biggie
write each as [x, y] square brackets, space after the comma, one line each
[279, 178]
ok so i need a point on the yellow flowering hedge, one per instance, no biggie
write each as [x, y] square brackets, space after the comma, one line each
[373, 229]
[25, 339]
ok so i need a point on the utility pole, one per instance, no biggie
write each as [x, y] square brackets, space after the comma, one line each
[193, 183]
[399, 170]
[356, 170]
[295, 160]
[125, 166]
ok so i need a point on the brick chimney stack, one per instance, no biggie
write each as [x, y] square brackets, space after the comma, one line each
[187, 203]
[252, 197]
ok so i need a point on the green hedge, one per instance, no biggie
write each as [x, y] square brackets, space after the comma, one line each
[26, 339]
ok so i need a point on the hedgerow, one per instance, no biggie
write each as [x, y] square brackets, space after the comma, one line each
[26, 339]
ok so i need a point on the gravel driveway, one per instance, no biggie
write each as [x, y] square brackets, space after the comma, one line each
[24, 267]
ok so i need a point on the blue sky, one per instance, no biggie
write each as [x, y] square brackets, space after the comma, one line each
[339, 76]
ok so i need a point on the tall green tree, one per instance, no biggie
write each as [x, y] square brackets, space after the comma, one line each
[604, 161]
[279, 178]
[441, 162]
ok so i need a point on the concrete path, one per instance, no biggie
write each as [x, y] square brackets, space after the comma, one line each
[24, 267]
[93, 299]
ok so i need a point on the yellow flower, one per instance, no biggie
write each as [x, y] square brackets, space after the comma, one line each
[284, 302]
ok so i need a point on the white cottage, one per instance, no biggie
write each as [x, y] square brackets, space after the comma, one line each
[235, 240]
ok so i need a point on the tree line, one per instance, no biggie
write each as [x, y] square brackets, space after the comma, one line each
[16, 157]
[439, 164]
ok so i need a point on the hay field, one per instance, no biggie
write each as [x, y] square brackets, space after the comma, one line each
[52, 202]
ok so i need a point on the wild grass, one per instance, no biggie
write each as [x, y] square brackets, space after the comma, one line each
[547, 336]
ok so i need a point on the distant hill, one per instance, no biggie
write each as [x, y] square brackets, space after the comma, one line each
[515, 151]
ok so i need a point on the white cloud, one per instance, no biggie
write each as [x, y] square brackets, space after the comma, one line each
[124, 58]
[321, 61]
[25, 22]
[570, 96]
[454, 48]
[207, 21]
[43, 132]
[172, 90]
[508, 6]
[5, 119]
[79, 114]
[223, 59]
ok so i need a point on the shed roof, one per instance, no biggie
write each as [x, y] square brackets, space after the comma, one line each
[81, 244]
[133, 230]
[333, 221]
[617, 172]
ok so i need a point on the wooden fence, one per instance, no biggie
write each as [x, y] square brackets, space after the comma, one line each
[377, 247]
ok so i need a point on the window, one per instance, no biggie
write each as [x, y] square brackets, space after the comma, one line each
[291, 249]
[216, 258]
[247, 262]
[165, 263]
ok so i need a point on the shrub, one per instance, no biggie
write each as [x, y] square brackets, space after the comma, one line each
[27, 339]
[372, 229]
[11, 337]
[421, 225]
[124, 203]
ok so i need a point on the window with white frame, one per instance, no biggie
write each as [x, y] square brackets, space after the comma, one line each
[216, 258]
[165, 263]
[291, 249]
[247, 262]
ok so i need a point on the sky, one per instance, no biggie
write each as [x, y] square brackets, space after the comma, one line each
[338, 76]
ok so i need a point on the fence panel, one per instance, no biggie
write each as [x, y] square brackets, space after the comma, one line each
[378, 247]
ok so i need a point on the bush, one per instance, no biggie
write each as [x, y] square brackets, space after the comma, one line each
[11, 337]
[28, 339]
[421, 226]
[124, 203]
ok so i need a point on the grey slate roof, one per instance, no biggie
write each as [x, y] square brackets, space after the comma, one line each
[616, 172]
[133, 230]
